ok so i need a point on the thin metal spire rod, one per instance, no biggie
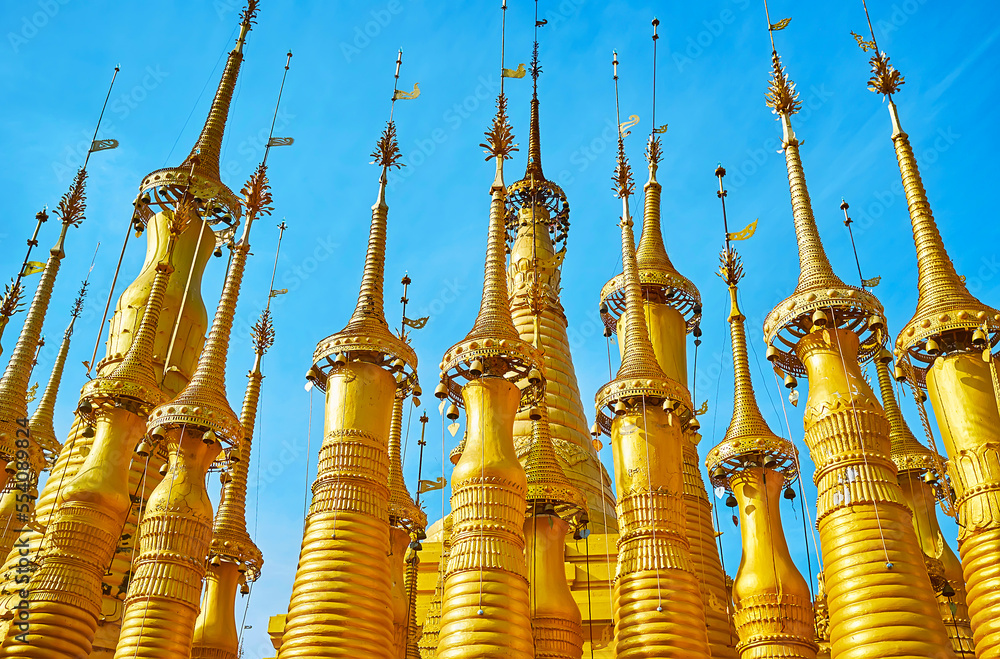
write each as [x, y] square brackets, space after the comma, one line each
[847, 223]
[40, 218]
[101, 118]
[656, 37]
[618, 114]
[770, 32]
[395, 84]
[503, 39]
[107, 306]
[274, 270]
[420, 461]
[720, 172]
[870, 28]
[274, 119]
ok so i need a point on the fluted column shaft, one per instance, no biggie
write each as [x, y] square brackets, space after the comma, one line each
[340, 604]
[880, 598]
[965, 406]
[556, 623]
[215, 635]
[660, 610]
[484, 610]
[774, 613]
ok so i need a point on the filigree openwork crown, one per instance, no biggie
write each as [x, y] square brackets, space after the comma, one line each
[74, 202]
[78, 302]
[781, 94]
[10, 303]
[730, 266]
[885, 80]
[624, 185]
[386, 153]
[500, 138]
[249, 14]
[257, 193]
[262, 332]
[653, 150]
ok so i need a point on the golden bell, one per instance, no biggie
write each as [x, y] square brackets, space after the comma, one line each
[88, 431]
[534, 376]
[595, 430]
[85, 407]
[215, 561]
[244, 589]
[819, 318]
[476, 368]
[535, 414]
[979, 338]
[619, 408]
[790, 381]
[932, 347]
[876, 322]
[143, 449]
[772, 353]
[441, 391]
[930, 478]
[694, 424]
[417, 391]
[452, 412]
[208, 437]
[899, 373]
[770, 463]
[158, 434]
[163, 469]
[340, 359]
[313, 374]
[235, 455]
[884, 356]
[241, 567]
[397, 364]
[719, 473]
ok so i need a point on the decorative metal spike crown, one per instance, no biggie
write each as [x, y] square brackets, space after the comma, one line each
[262, 333]
[885, 78]
[73, 203]
[387, 153]
[781, 95]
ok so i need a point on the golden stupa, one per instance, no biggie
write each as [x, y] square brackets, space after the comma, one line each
[542, 553]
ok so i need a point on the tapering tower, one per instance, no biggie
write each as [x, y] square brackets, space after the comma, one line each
[555, 507]
[178, 339]
[922, 486]
[175, 531]
[659, 606]
[341, 599]
[64, 593]
[485, 604]
[12, 300]
[432, 620]
[824, 330]
[672, 306]
[537, 230]
[773, 606]
[21, 455]
[948, 342]
[234, 560]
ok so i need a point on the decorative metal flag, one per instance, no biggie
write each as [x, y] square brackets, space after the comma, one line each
[871, 283]
[32, 267]
[277, 291]
[746, 233]
[281, 141]
[780, 25]
[431, 486]
[519, 72]
[103, 145]
[400, 95]
[624, 126]
[864, 45]
[416, 323]
[661, 129]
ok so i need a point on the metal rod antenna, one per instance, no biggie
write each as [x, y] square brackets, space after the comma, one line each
[720, 172]
[100, 118]
[274, 270]
[847, 223]
[274, 119]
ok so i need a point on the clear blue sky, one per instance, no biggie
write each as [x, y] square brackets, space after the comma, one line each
[58, 56]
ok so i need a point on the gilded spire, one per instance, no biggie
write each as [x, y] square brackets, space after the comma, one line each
[946, 311]
[229, 532]
[203, 403]
[41, 423]
[209, 145]
[15, 379]
[367, 332]
[403, 512]
[820, 297]
[547, 483]
[215, 202]
[658, 278]
[906, 450]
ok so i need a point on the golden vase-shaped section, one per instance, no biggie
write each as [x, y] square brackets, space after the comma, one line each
[163, 596]
[215, 635]
[484, 610]
[965, 405]
[774, 613]
[954, 609]
[556, 623]
[340, 604]
[399, 540]
[880, 598]
[660, 610]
